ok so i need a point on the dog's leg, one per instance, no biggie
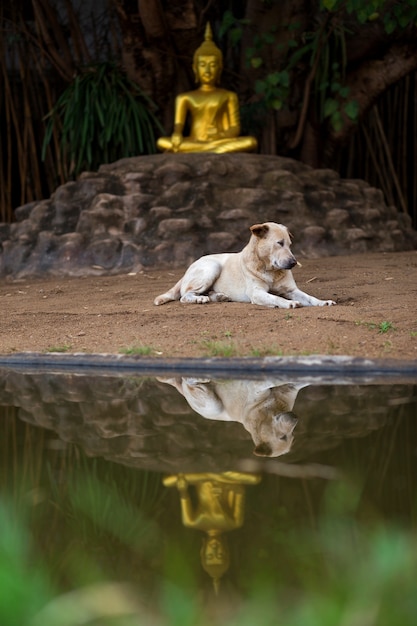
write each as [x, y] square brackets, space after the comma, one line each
[198, 280]
[203, 399]
[305, 300]
[173, 294]
[264, 298]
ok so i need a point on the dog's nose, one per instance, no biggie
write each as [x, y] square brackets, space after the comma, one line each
[291, 262]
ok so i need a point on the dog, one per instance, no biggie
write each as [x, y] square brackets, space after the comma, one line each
[263, 407]
[260, 274]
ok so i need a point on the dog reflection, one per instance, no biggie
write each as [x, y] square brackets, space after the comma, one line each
[264, 408]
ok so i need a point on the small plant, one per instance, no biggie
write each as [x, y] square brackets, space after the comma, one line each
[370, 325]
[384, 327]
[63, 348]
[219, 348]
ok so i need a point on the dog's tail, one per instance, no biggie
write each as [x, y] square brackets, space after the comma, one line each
[173, 294]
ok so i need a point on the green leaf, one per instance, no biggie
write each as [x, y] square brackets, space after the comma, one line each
[328, 4]
[269, 38]
[277, 104]
[285, 78]
[362, 16]
[256, 62]
[274, 78]
[390, 27]
[404, 21]
[330, 107]
[235, 36]
[352, 109]
[336, 121]
[226, 23]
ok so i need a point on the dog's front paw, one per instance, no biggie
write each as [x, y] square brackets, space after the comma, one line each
[328, 303]
[294, 304]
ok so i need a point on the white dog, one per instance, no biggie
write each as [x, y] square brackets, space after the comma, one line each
[260, 274]
[264, 408]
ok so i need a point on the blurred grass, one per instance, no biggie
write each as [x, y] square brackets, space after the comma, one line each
[346, 575]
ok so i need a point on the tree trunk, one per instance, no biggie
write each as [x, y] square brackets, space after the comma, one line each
[157, 48]
[370, 80]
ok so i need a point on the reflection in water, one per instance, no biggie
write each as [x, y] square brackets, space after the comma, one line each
[264, 407]
[218, 507]
[86, 454]
[145, 423]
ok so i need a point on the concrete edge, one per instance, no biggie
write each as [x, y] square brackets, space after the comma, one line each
[315, 367]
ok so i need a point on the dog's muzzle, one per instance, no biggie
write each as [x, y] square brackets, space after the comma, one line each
[291, 263]
[285, 264]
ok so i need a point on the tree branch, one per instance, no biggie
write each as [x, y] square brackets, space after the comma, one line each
[374, 77]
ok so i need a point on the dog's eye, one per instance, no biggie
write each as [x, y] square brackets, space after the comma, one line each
[280, 242]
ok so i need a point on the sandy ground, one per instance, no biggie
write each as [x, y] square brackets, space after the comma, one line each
[375, 316]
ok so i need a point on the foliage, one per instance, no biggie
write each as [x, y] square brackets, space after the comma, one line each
[291, 68]
[344, 576]
[383, 327]
[138, 350]
[322, 50]
[219, 348]
[22, 592]
[100, 117]
[63, 348]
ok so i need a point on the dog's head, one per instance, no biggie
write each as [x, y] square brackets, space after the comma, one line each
[273, 245]
[275, 438]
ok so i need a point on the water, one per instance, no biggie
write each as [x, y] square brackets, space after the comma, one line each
[193, 500]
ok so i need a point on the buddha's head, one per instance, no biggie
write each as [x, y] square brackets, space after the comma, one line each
[208, 60]
[215, 557]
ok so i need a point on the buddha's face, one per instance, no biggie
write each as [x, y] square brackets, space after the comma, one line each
[207, 69]
[214, 552]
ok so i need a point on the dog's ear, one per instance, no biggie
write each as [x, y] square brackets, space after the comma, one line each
[260, 230]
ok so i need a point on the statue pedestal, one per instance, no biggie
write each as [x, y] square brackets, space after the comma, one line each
[166, 210]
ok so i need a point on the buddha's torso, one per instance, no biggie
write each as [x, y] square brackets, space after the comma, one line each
[210, 113]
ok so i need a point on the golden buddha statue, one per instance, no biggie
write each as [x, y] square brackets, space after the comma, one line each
[214, 112]
[218, 507]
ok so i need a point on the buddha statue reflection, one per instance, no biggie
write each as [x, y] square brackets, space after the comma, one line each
[213, 112]
[217, 507]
